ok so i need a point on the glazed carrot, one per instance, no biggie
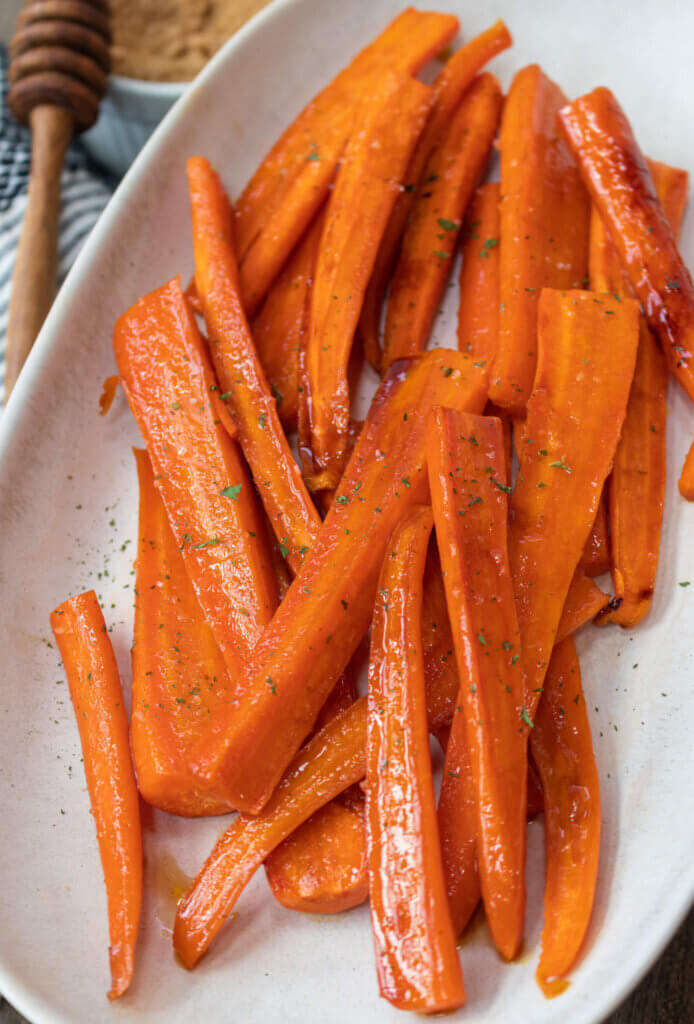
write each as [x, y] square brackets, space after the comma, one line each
[328, 606]
[281, 327]
[292, 182]
[636, 486]
[199, 470]
[544, 228]
[586, 355]
[426, 254]
[288, 504]
[622, 188]
[416, 957]
[321, 868]
[468, 482]
[97, 698]
[449, 86]
[583, 602]
[686, 481]
[596, 552]
[388, 124]
[179, 675]
[330, 762]
[563, 753]
[478, 310]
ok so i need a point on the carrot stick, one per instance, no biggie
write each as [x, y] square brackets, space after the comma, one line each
[97, 698]
[544, 228]
[387, 126]
[328, 606]
[292, 182]
[596, 553]
[281, 327]
[179, 676]
[199, 470]
[468, 481]
[293, 515]
[449, 86]
[636, 487]
[586, 356]
[583, 602]
[478, 311]
[563, 753]
[426, 254]
[416, 958]
[686, 481]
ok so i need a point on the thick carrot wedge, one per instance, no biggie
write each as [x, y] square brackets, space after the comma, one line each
[478, 311]
[563, 753]
[199, 470]
[426, 254]
[179, 675]
[328, 764]
[293, 180]
[288, 504]
[468, 483]
[97, 698]
[686, 481]
[636, 486]
[321, 868]
[281, 327]
[544, 228]
[586, 355]
[387, 126]
[449, 86]
[622, 188]
[596, 553]
[416, 957]
[328, 606]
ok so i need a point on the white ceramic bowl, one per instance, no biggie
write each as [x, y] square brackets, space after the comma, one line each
[68, 504]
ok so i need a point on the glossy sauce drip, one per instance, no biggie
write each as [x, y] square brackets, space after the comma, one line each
[108, 393]
[169, 883]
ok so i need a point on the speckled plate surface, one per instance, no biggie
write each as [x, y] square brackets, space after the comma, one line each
[68, 521]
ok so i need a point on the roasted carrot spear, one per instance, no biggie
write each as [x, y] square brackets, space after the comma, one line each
[97, 698]
[179, 675]
[328, 606]
[563, 753]
[199, 470]
[636, 486]
[544, 228]
[292, 182]
[596, 553]
[416, 957]
[586, 355]
[288, 504]
[330, 762]
[686, 481]
[388, 124]
[281, 327]
[426, 254]
[622, 188]
[478, 310]
[468, 482]
[449, 86]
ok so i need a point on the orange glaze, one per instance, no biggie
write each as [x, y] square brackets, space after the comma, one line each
[108, 393]
[478, 312]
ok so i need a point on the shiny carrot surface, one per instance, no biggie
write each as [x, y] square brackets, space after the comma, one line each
[449, 87]
[428, 244]
[544, 227]
[416, 957]
[293, 180]
[596, 553]
[288, 504]
[583, 602]
[180, 679]
[330, 762]
[563, 753]
[622, 188]
[328, 606]
[97, 698]
[468, 483]
[198, 470]
[478, 310]
[387, 125]
[686, 480]
[586, 356]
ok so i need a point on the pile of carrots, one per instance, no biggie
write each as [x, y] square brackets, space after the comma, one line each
[264, 583]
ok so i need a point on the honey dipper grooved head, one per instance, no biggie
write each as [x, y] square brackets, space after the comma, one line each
[59, 56]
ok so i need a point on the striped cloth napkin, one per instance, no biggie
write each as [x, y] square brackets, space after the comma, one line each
[85, 191]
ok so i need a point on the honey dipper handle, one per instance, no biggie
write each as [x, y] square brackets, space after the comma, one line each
[34, 275]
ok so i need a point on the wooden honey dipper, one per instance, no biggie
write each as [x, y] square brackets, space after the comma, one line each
[59, 62]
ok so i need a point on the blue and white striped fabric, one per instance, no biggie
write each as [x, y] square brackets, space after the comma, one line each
[84, 193]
